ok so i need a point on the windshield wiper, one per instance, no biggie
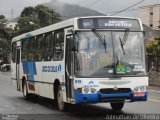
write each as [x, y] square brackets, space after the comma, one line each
[100, 38]
[125, 38]
[122, 45]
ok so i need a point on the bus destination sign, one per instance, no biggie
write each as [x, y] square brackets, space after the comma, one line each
[109, 23]
[115, 23]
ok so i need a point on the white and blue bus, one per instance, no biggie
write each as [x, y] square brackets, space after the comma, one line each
[83, 60]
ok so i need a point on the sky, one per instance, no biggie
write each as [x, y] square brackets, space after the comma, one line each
[104, 6]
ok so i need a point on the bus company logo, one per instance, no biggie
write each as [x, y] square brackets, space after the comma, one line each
[57, 68]
[91, 82]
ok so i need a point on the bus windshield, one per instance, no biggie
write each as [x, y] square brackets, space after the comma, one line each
[122, 56]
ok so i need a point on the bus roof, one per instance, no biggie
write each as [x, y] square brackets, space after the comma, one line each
[63, 24]
[46, 29]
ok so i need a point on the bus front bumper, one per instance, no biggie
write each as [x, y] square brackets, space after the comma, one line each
[99, 97]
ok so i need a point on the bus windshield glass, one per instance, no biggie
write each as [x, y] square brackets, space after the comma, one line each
[123, 55]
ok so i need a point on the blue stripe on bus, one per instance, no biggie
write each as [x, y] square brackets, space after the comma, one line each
[125, 95]
[29, 68]
[32, 68]
[31, 71]
[85, 98]
[98, 97]
[31, 77]
[25, 68]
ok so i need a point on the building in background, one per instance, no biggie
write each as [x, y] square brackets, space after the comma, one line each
[150, 16]
[150, 34]
[11, 25]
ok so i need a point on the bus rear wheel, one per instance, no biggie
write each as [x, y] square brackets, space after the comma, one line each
[117, 105]
[60, 100]
[25, 91]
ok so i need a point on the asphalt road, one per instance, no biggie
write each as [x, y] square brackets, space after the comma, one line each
[13, 106]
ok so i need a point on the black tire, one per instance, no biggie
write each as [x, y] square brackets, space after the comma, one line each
[117, 105]
[26, 95]
[62, 106]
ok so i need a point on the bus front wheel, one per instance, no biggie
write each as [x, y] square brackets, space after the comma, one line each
[117, 105]
[25, 90]
[60, 100]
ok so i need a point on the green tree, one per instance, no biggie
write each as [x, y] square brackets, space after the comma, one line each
[5, 38]
[28, 11]
[40, 15]
[47, 16]
[24, 25]
[153, 48]
[2, 21]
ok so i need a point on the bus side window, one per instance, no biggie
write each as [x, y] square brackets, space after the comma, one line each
[40, 46]
[48, 56]
[59, 45]
[14, 52]
[24, 56]
[31, 49]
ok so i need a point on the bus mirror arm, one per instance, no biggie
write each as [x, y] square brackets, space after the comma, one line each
[70, 76]
[74, 49]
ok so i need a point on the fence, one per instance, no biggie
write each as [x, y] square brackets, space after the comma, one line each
[153, 67]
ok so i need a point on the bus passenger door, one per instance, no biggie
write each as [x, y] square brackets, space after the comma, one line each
[18, 69]
[69, 67]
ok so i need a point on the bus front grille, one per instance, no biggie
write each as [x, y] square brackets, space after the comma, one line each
[112, 91]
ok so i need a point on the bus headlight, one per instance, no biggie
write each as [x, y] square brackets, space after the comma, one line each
[93, 90]
[140, 89]
[136, 89]
[86, 90]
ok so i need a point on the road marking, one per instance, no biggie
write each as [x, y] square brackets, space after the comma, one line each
[154, 100]
[154, 91]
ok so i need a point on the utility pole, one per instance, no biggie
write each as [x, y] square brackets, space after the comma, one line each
[50, 14]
